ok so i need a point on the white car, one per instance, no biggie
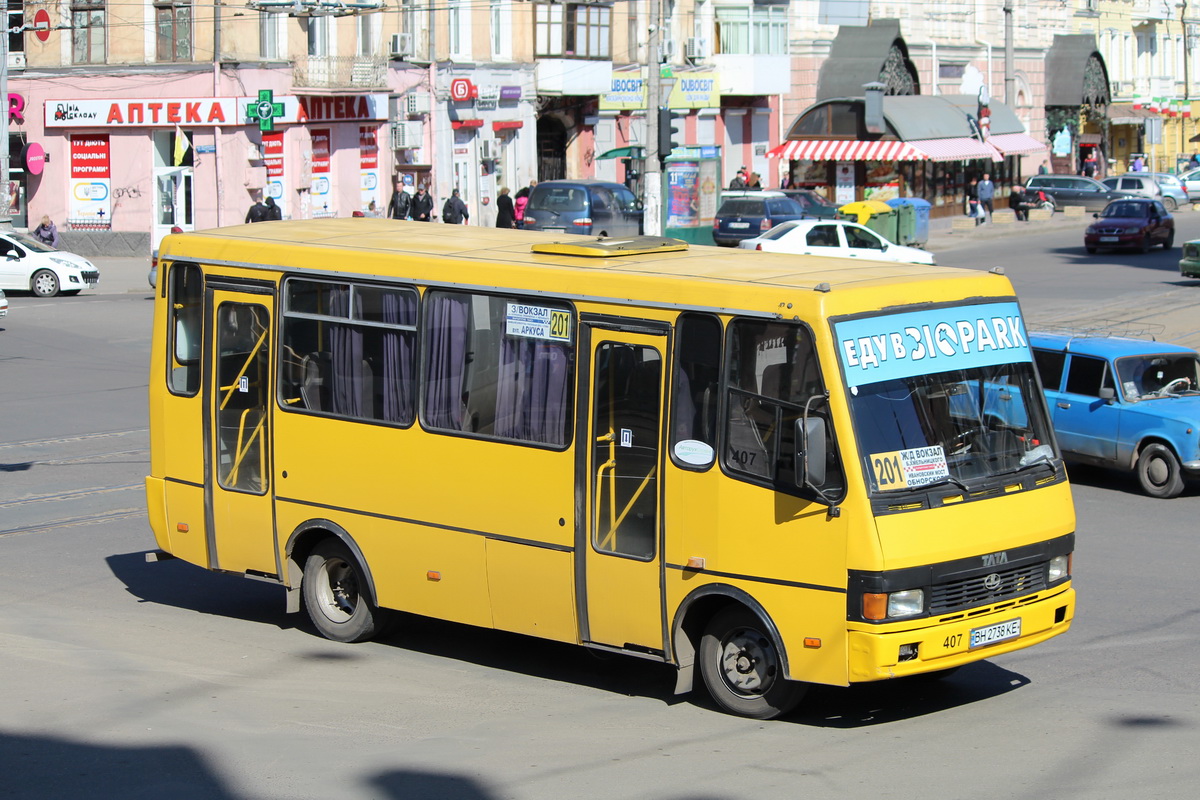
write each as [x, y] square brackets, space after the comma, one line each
[3, 304]
[836, 238]
[1191, 182]
[29, 265]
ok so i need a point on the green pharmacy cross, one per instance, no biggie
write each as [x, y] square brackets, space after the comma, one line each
[265, 110]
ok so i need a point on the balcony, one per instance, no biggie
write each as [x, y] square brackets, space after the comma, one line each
[340, 72]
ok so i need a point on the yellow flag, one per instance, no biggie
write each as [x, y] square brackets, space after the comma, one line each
[181, 145]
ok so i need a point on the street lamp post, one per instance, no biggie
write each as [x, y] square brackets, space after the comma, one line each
[5, 199]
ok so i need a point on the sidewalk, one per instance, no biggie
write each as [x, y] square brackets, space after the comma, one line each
[943, 236]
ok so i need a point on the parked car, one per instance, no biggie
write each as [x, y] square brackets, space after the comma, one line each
[743, 215]
[815, 206]
[1128, 404]
[1074, 190]
[3, 304]
[1154, 185]
[29, 265]
[1135, 222]
[836, 239]
[1191, 182]
[589, 207]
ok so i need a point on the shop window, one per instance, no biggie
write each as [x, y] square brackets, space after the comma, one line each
[173, 23]
[760, 29]
[87, 31]
[572, 30]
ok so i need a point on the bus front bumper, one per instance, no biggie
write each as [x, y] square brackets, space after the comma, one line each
[946, 642]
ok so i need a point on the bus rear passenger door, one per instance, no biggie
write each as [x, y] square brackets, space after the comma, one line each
[620, 567]
[241, 531]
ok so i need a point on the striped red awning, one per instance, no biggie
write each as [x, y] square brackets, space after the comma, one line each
[1016, 144]
[846, 150]
[881, 150]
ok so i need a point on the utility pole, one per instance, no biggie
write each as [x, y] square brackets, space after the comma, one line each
[652, 185]
[1010, 79]
[5, 199]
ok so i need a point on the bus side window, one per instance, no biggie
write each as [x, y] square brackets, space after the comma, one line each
[186, 300]
[697, 371]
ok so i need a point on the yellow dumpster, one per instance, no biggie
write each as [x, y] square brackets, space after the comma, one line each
[863, 210]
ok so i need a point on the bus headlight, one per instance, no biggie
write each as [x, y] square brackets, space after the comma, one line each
[1060, 567]
[893, 605]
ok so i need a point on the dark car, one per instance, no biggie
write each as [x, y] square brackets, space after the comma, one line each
[815, 206]
[1075, 190]
[588, 207]
[744, 215]
[1136, 222]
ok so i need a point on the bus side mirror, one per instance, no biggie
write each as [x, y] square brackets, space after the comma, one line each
[810, 452]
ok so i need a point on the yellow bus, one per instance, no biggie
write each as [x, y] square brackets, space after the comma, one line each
[783, 470]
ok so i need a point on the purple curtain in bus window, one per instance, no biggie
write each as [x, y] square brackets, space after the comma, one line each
[399, 308]
[531, 397]
[446, 360]
[345, 344]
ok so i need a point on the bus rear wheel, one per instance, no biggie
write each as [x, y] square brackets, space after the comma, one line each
[336, 595]
[742, 667]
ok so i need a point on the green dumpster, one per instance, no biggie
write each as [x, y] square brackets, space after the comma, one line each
[873, 214]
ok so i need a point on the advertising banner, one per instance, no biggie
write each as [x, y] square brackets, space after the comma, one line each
[272, 144]
[368, 160]
[322, 179]
[209, 111]
[90, 201]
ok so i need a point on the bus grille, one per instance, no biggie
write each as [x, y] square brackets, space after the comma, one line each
[968, 592]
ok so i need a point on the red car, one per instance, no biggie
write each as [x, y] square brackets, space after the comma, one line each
[1132, 222]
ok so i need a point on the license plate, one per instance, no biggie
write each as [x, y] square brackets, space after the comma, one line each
[1108, 238]
[1001, 631]
[739, 224]
[555, 230]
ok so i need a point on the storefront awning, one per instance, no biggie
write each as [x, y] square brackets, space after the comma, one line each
[1126, 114]
[953, 149]
[846, 150]
[1016, 144]
[623, 152]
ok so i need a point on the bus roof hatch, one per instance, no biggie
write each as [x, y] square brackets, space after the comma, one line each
[607, 248]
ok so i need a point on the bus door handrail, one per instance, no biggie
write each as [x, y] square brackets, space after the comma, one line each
[250, 357]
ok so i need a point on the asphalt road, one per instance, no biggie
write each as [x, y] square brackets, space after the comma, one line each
[122, 678]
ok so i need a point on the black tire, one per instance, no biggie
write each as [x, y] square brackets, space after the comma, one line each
[44, 283]
[1091, 250]
[742, 667]
[1146, 244]
[1170, 203]
[1159, 472]
[1170, 242]
[336, 596]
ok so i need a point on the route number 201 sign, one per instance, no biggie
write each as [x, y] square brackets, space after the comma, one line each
[909, 469]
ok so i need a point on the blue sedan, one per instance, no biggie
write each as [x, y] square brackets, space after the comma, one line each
[1128, 404]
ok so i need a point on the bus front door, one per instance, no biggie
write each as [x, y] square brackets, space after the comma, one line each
[622, 557]
[237, 433]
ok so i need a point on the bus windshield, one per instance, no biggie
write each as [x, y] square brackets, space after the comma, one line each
[944, 395]
[963, 426]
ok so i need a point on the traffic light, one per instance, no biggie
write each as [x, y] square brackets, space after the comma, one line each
[670, 132]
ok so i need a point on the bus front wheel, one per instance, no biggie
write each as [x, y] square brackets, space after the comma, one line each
[742, 668]
[336, 596]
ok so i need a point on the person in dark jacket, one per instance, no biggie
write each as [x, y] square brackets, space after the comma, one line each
[400, 206]
[422, 206]
[506, 215]
[273, 211]
[257, 212]
[454, 210]
[1016, 201]
[47, 232]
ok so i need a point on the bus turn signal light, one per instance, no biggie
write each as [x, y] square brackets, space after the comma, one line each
[874, 606]
[433, 575]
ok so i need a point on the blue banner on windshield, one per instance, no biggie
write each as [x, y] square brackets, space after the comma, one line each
[894, 346]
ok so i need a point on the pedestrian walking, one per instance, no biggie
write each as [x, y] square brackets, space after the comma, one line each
[987, 193]
[519, 206]
[454, 210]
[257, 212]
[273, 211]
[506, 215]
[400, 206]
[47, 232]
[422, 205]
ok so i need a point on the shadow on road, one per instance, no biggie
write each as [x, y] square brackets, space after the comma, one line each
[1157, 259]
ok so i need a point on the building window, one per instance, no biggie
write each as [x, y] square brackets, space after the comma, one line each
[572, 30]
[501, 13]
[459, 24]
[270, 35]
[87, 31]
[173, 22]
[752, 30]
[317, 29]
[366, 35]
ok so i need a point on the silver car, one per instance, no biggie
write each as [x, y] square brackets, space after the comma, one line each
[1153, 185]
[1191, 182]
